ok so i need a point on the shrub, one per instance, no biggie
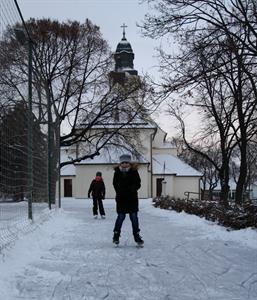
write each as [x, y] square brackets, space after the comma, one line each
[236, 217]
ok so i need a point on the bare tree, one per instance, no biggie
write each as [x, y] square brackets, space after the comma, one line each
[71, 83]
[217, 60]
[210, 174]
[71, 68]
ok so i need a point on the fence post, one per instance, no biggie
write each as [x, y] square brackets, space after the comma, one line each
[49, 145]
[59, 162]
[23, 40]
[30, 130]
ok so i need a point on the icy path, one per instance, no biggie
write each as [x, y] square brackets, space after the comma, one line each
[71, 257]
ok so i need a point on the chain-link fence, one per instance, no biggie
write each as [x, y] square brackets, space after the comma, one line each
[27, 183]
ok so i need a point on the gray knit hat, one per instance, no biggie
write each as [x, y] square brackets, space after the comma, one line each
[125, 158]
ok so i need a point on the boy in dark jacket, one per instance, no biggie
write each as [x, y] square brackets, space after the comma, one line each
[126, 182]
[97, 188]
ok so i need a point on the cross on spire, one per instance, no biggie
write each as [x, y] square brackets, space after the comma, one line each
[124, 26]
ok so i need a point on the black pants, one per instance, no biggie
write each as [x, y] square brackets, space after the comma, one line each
[98, 202]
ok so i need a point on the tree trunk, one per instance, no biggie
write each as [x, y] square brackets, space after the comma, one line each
[224, 180]
[240, 188]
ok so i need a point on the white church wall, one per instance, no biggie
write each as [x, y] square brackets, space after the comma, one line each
[160, 146]
[145, 138]
[187, 184]
[86, 173]
[170, 188]
[169, 184]
[145, 183]
[164, 151]
[63, 178]
[159, 137]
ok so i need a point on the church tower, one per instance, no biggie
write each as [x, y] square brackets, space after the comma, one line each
[124, 58]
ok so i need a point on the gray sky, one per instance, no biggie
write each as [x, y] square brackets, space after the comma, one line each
[109, 15]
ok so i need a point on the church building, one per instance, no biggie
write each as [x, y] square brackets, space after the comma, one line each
[161, 171]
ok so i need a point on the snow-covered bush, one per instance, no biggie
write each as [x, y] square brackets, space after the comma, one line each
[235, 217]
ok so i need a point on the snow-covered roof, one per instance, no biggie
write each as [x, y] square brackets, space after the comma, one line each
[111, 156]
[107, 156]
[135, 125]
[122, 122]
[68, 170]
[123, 69]
[170, 164]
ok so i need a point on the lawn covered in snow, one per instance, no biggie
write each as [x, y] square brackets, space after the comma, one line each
[71, 256]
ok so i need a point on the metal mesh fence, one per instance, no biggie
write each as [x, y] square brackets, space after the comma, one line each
[24, 142]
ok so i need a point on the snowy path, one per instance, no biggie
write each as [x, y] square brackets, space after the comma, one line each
[71, 257]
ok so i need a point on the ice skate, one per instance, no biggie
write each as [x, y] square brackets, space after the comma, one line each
[138, 240]
[116, 238]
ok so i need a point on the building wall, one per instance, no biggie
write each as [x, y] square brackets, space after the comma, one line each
[141, 137]
[175, 186]
[86, 173]
[186, 184]
[159, 137]
[172, 151]
[169, 179]
[145, 138]
[144, 191]
[73, 179]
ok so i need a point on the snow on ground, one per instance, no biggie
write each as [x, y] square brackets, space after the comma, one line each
[71, 256]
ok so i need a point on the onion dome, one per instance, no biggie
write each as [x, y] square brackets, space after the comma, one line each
[124, 56]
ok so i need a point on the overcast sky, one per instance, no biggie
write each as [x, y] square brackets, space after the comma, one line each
[109, 15]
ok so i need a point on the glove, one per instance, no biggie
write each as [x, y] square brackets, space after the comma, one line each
[88, 195]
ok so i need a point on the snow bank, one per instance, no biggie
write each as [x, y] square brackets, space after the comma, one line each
[209, 230]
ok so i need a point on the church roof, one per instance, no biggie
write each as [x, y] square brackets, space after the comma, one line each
[167, 164]
[123, 121]
[124, 57]
[124, 46]
[111, 156]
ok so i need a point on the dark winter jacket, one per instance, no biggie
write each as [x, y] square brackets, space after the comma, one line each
[97, 188]
[126, 185]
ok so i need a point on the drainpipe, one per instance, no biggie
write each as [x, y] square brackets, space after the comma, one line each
[151, 165]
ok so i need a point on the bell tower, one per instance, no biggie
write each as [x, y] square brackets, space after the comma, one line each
[124, 58]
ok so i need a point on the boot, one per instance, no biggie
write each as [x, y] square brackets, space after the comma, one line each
[116, 237]
[138, 239]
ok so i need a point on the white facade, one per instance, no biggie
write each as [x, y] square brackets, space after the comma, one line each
[161, 171]
[158, 164]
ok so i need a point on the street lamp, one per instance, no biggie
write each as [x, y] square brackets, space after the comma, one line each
[25, 40]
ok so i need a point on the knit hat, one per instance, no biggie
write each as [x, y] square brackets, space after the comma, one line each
[125, 158]
[98, 174]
